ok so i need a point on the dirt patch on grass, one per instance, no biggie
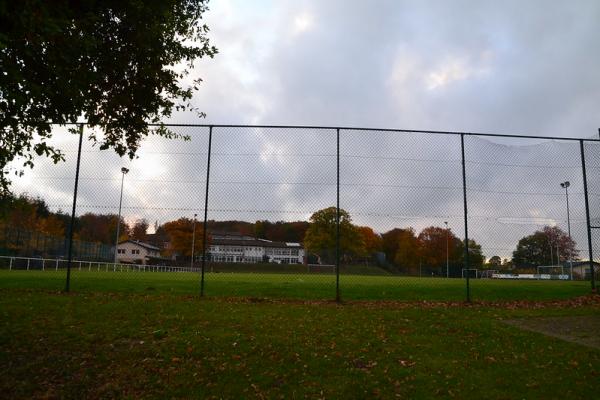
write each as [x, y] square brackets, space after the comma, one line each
[583, 330]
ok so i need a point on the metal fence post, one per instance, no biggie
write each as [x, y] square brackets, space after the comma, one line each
[204, 225]
[337, 221]
[72, 225]
[587, 216]
[466, 215]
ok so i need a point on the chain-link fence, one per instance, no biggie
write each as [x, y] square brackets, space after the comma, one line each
[591, 151]
[312, 213]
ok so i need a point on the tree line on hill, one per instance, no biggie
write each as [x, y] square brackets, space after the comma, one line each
[401, 249]
[404, 249]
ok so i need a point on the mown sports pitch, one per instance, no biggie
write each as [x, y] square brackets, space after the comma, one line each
[292, 286]
[102, 345]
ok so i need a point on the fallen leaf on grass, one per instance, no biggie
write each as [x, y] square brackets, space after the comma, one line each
[407, 363]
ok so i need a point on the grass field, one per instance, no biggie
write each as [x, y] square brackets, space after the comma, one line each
[136, 345]
[302, 286]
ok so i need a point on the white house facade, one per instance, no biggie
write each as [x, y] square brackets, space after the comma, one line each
[136, 252]
[234, 248]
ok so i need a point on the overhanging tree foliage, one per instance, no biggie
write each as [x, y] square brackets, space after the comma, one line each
[114, 63]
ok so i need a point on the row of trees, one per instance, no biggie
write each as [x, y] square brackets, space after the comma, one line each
[404, 248]
[30, 214]
[433, 247]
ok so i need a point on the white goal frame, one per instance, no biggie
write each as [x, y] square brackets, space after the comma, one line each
[470, 269]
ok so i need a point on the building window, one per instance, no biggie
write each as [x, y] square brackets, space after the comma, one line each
[121, 251]
[135, 251]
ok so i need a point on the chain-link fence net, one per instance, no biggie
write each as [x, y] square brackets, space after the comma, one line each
[403, 192]
[265, 185]
[153, 201]
[34, 225]
[592, 161]
[519, 220]
[272, 215]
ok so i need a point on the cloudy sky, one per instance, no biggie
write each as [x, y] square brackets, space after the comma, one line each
[521, 67]
[526, 67]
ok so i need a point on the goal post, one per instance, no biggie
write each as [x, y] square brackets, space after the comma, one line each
[470, 272]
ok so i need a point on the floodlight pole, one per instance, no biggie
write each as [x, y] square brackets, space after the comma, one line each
[447, 257]
[123, 172]
[193, 243]
[550, 246]
[566, 185]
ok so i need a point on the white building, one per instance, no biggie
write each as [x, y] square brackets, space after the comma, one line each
[136, 252]
[235, 248]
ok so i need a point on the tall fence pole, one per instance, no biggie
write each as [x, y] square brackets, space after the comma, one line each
[466, 215]
[337, 221]
[72, 224]
[587, 216]
[204, 229]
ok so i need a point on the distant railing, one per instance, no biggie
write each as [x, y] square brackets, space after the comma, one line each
[52, 264]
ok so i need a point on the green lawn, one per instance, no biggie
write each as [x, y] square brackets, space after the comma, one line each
[136, 345]
[300, 286]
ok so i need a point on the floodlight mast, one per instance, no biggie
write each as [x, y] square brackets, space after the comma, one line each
[193, 241]
[447, 258]
[565, 185]
[124, 171]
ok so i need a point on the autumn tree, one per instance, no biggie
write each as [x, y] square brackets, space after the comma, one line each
[101, 228]
[547, 246]
[242, 227]
[52, 225]
[181, 235]
[476, 257]
[320, 238]
[433, 241]
[139, 231]
[23, 212]
[565, 247]
[117, 64]
[281, 231]
[371, 240]
[32, 214]
[402, 248]
[494, 262]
